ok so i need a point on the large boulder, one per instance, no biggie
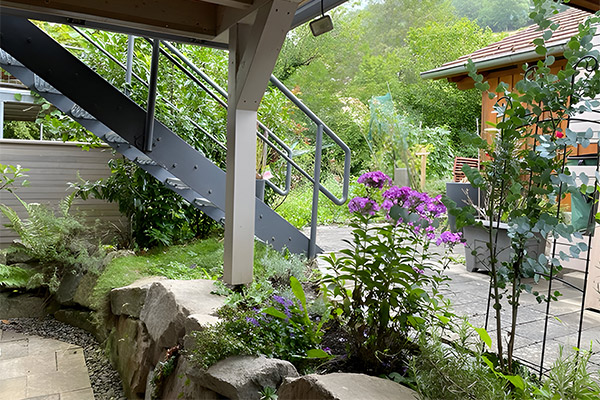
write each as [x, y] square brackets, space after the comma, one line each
[17, 253]
[243, 377]
[184, 383]
[342, 386]
[132, 352]
[169, 303]
[129, 300]
[67, 289]
[21, 306]
[84, 290]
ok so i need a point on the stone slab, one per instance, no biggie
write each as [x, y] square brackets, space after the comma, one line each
[14, 349]
[341, 386]
[13, 388]
[130, 299]
[169, 303]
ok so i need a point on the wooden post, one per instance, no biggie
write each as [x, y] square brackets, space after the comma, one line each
[423, 155]
[253, 51]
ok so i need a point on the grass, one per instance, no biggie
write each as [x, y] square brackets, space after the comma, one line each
[296, 208]
[201, 259]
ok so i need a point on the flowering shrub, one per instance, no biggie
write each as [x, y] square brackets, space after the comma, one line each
[386, 285]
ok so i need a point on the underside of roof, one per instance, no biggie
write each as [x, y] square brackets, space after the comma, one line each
[515, 49]
[204, 22]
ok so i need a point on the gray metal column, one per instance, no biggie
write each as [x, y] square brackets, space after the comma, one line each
[1, 120]
[129, 65]
[312, 246]
[149, 127]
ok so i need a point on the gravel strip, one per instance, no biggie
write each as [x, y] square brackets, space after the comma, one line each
[106, 382]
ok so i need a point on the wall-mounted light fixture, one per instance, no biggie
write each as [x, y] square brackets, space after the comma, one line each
[321, 25]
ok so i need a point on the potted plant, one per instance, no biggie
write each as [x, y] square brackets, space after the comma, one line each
[523, 176]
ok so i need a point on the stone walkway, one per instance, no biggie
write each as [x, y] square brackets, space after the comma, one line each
[35, 368]
[468, 293]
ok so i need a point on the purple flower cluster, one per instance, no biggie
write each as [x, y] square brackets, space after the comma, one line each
[449, 237]
[364, 205]
[426, 207]
[415, 201]
[286, 303]
[375, 179]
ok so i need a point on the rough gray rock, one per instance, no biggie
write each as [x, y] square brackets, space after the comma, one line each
[68, 286]
[169, 303]
[16, 254]
[342, 386]
[184, 383]
[117, 254]
[129, 300]
[21, 306]
[84, 290]
[2, 257]
[83, 320]
[132, 352]
[243, 377]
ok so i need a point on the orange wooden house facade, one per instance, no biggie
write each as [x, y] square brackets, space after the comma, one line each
[503, 61]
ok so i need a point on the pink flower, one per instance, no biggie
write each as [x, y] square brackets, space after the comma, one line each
[559, 134]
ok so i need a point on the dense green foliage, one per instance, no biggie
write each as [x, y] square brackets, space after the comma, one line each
[157, 217]
[383, 48]
[525, 173]
[61, 243]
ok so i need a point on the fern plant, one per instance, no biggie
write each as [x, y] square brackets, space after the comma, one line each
[61, 243]
[12, 277]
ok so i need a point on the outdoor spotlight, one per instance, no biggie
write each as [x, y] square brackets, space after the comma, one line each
[321, 25]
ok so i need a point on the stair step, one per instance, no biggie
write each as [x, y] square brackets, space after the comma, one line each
[112, 137]
[145, 161]
[43, 86]
[7, 59]
[176, 183]
[78, 112]
[202, 202]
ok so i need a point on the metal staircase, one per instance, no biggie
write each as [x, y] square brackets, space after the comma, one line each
[46, 67]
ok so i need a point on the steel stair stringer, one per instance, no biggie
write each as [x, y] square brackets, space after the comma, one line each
[49, 69]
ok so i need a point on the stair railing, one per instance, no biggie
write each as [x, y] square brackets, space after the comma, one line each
[267, 136]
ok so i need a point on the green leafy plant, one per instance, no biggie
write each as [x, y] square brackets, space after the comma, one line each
[61, 243]
[295, 323]
[10, 174]
[268, 393]
[456, 370]
[569, 378]
[386, 285]
[157, 216]
[524, 174]
[12, 276]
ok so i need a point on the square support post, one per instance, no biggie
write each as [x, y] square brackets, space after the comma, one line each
[253, 51]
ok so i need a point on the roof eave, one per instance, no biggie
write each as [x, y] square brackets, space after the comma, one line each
[491, 62]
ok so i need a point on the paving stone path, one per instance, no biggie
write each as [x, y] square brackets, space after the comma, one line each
[36, 368]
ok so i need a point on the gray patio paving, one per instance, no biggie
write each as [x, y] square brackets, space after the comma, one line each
[37, 368]
[468, 292]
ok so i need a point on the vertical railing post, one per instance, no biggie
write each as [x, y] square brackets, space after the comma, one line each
[129, 65]
[1, 119]
[312, 244]
[149, 128]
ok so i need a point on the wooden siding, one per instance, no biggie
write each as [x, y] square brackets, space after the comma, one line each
[51, 166]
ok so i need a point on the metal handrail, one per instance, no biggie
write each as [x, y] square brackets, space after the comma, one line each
[298, 103]
[268, 137]
[143, 82]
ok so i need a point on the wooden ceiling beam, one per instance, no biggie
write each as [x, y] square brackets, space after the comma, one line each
[185, 17]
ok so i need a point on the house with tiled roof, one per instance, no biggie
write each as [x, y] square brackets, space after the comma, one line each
[503, 61]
